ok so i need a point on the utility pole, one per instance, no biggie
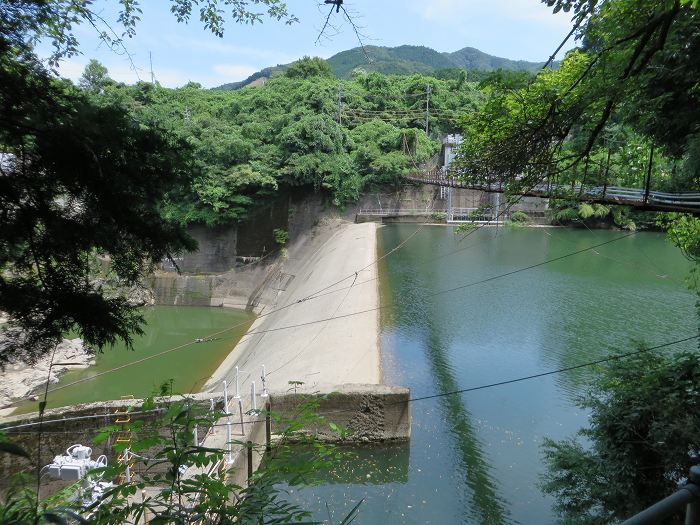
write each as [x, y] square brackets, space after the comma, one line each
[153, 77]
[427, 109]
[340, 104]
[648, 182]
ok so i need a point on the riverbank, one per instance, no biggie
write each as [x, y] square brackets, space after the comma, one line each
[328, 274]
[20, 380]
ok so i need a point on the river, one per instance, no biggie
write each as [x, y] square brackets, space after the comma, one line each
[167, 327]
[475, 457]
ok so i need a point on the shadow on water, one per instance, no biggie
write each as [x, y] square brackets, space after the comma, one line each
[481, 502]
[485, 507]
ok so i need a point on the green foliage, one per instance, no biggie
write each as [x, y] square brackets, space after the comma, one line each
[627, 90]
[520, 217]
[95, 77]
[250, 144]
[309, 67]
[464, 228]
[404, 60]
[562, 211]
[643, 414]
[281, 236]
[81, 180]
[186, 482]
[514, 121]
[684, 231]
[587, 210]
[622, 219]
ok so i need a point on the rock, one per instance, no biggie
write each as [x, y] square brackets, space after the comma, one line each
[19, 380]
[141, 295]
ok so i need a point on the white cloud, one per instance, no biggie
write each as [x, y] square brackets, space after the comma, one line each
[452, 12]
[234, 72]
[270, 56]
[71, 69]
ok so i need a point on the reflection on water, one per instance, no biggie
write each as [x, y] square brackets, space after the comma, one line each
[367, 465]
[475, 457]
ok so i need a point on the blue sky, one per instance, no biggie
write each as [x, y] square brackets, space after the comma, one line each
[517, 29]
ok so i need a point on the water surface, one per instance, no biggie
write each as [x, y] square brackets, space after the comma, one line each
[166, 327]
[476, 458]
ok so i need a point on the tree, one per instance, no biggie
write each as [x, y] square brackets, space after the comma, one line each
[644, 413]
[78, 182]
[29, 21]
[309, 67]
[95, 77]
[635, 65]
[81, 180]
[184, 482]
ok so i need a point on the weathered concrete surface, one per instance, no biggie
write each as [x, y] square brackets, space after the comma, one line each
[372, 413]
[65, 426]
[306, 333]
[221, 274]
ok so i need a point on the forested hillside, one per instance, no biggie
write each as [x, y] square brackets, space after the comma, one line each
[402, 60]
[305, 128]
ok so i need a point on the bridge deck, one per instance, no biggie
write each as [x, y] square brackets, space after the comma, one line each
[639, 198]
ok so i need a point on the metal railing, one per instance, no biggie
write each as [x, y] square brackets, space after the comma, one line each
[394, 212]
[687, 496]
[689, 201]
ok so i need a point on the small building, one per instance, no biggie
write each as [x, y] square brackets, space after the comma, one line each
[449, 148]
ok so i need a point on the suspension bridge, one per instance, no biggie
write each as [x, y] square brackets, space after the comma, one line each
[637, 197]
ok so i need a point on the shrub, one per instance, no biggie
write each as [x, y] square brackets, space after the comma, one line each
[281, 236]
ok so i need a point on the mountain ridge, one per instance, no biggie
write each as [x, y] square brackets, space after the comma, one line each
[399, 60]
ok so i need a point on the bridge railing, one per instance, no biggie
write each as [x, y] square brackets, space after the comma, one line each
[392, 212]
[687, 496]
[612, 194]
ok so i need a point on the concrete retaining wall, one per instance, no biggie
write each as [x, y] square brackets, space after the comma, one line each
[219, 277]
[372, 413]
[65, 426]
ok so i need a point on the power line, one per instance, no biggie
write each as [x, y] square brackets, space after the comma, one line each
[452, 392]
[441, 292]
[352, 314]
[558, 370]
[526, 268]
[312, 296]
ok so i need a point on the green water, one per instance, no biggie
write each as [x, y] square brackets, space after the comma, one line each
[475, 458]
[167, 327]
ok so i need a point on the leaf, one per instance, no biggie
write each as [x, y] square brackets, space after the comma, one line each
[55, 518]
[352, 514]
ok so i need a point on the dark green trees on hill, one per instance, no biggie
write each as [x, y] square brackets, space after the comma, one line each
[304, 128]
[309, 67]
[402, 60]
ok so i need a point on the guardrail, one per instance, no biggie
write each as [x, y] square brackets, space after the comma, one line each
[452, 215]
[393, 212]
[689, 201]
[687, 496]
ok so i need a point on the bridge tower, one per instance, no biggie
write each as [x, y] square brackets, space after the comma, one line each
[449, 150]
